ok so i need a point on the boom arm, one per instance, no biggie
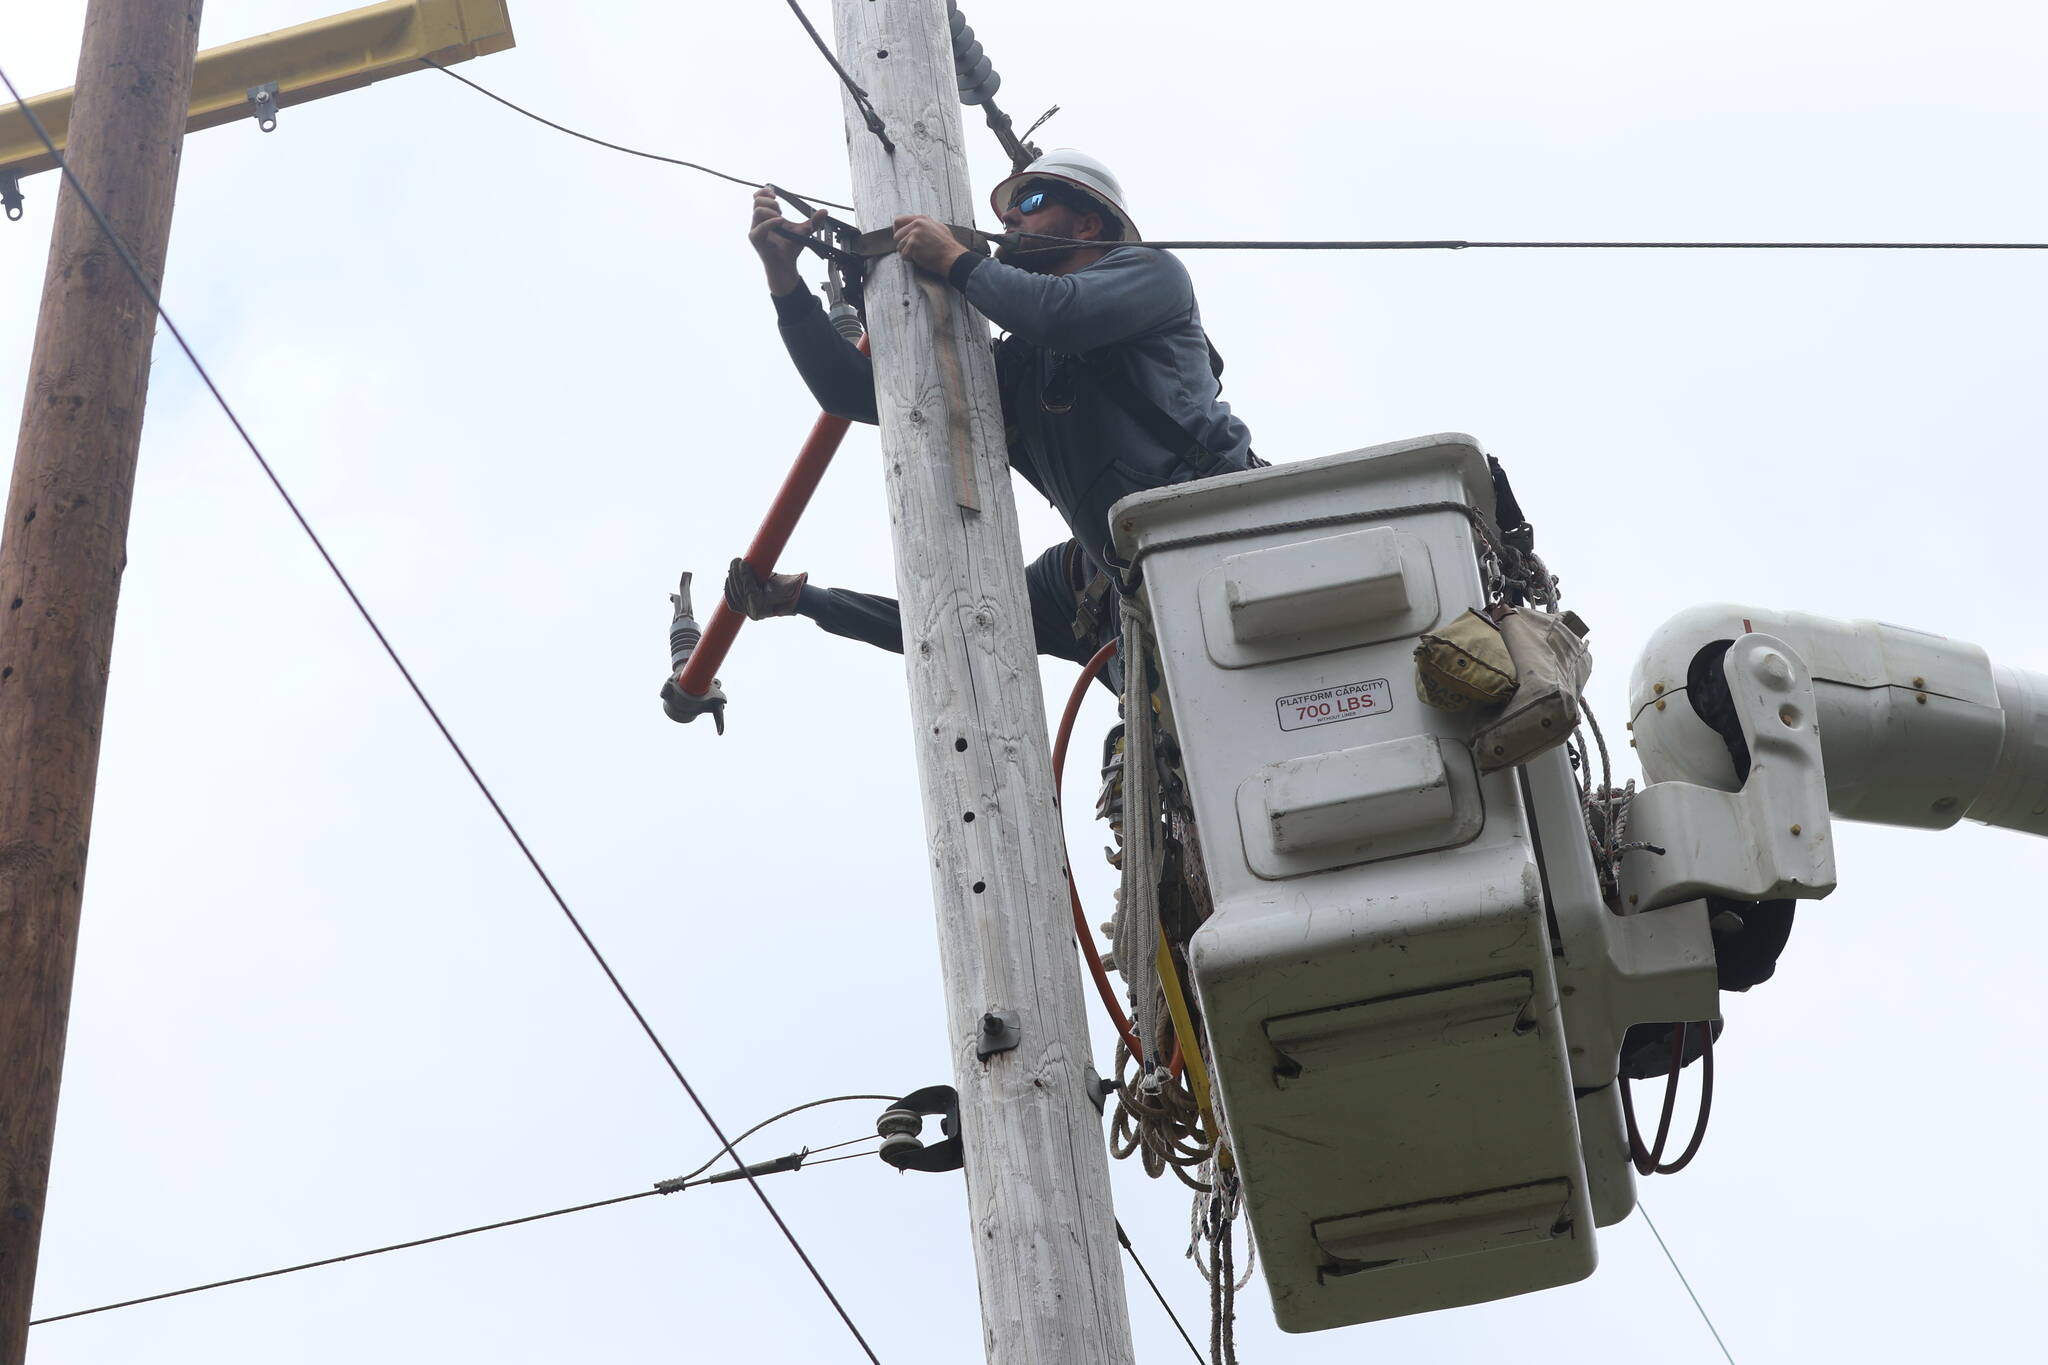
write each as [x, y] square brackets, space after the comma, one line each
[1915, 729]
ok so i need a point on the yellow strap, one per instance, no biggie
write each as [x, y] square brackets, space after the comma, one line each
[1190, 1049]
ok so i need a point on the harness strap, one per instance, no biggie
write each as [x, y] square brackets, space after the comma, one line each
[1156, 422]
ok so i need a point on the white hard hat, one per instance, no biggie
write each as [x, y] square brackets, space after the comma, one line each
[1078, 169]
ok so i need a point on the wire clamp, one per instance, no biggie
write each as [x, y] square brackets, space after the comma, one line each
[10, 195]
[682, 707]
[847, 266]
[263, 105]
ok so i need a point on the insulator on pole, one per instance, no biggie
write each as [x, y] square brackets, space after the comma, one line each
[976, 74]
[845, 320]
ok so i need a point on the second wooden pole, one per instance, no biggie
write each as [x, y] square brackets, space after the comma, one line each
[62, 551]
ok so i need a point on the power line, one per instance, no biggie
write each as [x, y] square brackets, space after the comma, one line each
[1393, 244]
[1687, 1283]
[777, 1118]
[1125, 1238]
[142, 283]
[860, 96]
[666, 1187]
[1452, 244]
[629, 151]
[351, 1256]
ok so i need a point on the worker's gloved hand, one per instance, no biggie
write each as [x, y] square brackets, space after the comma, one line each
[927, 243]
[746, 594]
[779, 241]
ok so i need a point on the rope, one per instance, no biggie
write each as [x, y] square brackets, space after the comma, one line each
[1215, 1214]
[1158, 1120]
[1137, 918]
[860, 96]
[156, 304]
[629, 151]
[1606, 810]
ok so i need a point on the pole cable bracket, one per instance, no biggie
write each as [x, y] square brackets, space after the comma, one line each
[263, 105]
[1000, 1031]
[901, 1122]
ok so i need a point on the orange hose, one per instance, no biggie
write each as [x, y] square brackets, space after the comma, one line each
[1081, 931]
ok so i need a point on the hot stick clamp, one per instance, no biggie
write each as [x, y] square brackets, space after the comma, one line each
[684, 634]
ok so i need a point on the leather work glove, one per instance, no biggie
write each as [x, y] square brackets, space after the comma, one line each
[746, 594]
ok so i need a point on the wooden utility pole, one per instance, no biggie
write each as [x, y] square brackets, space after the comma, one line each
[1037, 1170]
[62, 550]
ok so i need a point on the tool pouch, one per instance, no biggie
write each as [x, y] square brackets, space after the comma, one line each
[1551, 664]
[1465, 664]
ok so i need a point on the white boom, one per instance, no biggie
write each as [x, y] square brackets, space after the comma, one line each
[1915, 729]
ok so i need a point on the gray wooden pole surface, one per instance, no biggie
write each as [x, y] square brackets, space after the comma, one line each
[62, 550]
[1037, 1167]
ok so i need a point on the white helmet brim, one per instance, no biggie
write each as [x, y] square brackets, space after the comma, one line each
[1080, 170]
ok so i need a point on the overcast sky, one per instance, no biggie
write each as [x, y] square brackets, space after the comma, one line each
[518, 382]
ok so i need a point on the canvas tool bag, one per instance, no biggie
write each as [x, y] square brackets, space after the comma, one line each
[1466, 664]
[1551, 664]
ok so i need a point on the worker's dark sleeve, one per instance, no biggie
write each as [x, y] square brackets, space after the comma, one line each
[859, 616]
[1131, 291]
[878, 621]
[839, 376]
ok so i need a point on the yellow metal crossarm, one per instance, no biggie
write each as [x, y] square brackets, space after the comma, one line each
[308, 62]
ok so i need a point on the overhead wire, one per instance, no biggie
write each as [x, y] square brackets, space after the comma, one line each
[1452, 244]
[629, 151]
[1679, 1271]
[1124, 1238]
[861, 101]
[1392, 244]
[136, 273]
[666, 1187]
[351, 1256]
[777, 1118]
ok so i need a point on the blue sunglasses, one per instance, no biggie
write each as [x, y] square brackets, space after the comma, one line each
[1034, 199]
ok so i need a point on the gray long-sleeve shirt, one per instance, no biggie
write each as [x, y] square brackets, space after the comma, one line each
[1131, 313]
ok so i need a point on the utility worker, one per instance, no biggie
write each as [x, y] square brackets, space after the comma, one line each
[1109, 385]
